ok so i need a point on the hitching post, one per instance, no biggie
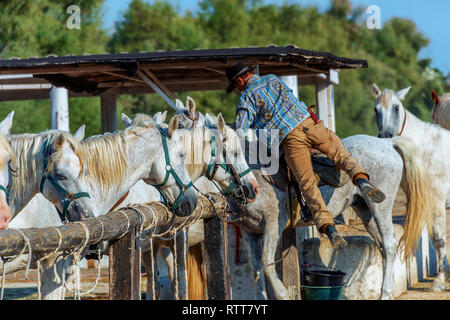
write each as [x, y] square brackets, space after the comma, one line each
[217, 268]
[124, 268]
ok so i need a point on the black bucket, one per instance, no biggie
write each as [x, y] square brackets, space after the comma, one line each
[323, 278]
[321, 283]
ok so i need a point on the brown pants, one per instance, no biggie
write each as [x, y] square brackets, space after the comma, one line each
[297, 148]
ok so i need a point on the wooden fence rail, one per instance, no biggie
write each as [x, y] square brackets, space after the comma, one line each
[119, 227]
[115, 224]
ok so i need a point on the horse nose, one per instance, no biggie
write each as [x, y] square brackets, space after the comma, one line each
[253, 191]
[5, 216]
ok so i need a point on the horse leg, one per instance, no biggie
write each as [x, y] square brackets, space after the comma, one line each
[383, 218]
[51, 288]
[439, 238]
[152, 275]
[378, 222]
[271, 241]
[179, 276]
[368, 220]
[167, 256]
[254, 247]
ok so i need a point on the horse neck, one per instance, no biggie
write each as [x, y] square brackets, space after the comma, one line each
[139, 156]
[30, 169]
[195, 168]
[416, 129]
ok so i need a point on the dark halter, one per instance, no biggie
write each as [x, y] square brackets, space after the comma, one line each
[236, 186]
[170, 172]
[69, 197]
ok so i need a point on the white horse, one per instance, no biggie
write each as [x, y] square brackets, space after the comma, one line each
[106, 167]
[385, 160]
[441, 110]
[433, 150]
[7, 165]
[199, 158]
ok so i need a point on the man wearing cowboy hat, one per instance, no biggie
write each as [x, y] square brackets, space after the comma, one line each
[268, 103]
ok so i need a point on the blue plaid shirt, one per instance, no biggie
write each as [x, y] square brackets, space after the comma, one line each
[268, 103]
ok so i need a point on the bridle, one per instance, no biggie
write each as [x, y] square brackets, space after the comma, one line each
[170, 172]
[236, 187]
[404, 121]
[69, 197]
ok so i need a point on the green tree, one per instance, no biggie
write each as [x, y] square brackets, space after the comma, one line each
[38, 28]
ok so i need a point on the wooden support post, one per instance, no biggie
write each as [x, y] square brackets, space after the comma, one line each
[325, 98]
[108, 103]
[217, 268]
[289, 269]
[59, 108]
[124, 268]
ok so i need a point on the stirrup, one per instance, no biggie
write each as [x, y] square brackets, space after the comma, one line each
[369, 190]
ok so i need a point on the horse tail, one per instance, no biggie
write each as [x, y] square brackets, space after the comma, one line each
[416, 185]
[194, 272]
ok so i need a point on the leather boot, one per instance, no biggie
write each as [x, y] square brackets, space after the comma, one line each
[369, 190]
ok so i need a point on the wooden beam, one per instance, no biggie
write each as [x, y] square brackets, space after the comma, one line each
[159, 83]
[108, 104]
[109, 226]
[157, 89]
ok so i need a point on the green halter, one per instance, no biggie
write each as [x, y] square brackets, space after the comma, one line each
[236, 184]
[68, 196]
[170, 172]
[5, 190]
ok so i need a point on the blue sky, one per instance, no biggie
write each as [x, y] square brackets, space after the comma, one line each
[432, 17]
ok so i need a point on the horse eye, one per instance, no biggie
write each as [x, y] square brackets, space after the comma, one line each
[59, 176]
[396, 108]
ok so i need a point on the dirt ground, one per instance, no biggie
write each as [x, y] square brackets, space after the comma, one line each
[19, 288]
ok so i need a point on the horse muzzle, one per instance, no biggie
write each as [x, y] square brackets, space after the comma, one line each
[77, 211]
[187, 205]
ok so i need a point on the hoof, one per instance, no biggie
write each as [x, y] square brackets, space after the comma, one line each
[438, 286]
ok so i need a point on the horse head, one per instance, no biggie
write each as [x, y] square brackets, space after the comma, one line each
[167, 172]
[235, 169]
[7, 166]
[389, 110]
[188, 116]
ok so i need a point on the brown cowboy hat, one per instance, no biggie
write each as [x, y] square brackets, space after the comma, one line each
[235, 71]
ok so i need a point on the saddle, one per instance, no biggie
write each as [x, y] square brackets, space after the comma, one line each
[326, 173]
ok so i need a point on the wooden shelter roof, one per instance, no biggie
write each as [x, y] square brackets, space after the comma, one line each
[172, 71]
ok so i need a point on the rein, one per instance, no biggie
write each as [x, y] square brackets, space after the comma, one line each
[404, 121]
[170, 172]
[69, 197]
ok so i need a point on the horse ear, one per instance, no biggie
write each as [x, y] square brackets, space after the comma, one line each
[221, 123]
[79, 135]
[126, 120]
[173, 125]
[210, 122]
[164, 116]
[59, 140]
[376, 92]
[190, 105]
[158, 118]
[402, 93]
[6, 124]
[435, 97]
[179, 106]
